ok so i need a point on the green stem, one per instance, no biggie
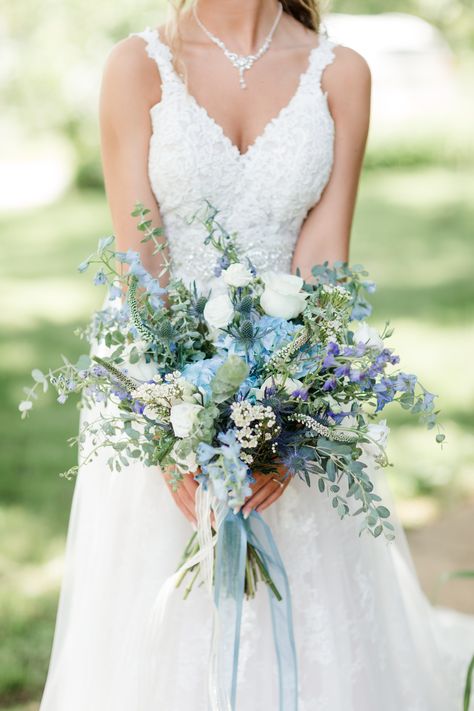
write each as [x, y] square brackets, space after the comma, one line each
[266, 575]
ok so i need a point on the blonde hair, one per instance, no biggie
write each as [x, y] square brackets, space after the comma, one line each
[305, 11]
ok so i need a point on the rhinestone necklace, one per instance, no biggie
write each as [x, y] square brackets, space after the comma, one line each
[241, 62]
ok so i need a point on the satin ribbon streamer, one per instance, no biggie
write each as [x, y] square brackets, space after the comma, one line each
[229, 580]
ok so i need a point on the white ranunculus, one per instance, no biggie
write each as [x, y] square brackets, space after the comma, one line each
[379, 432]
[183, 416]
[289, 385]
[141, 370]
[368, 335]
[282, 296]
[185, 464]
[237, 275]
[219, 311]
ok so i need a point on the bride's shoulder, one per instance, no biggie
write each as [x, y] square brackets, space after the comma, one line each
[129, 53]
[348, 66]
[129, 67]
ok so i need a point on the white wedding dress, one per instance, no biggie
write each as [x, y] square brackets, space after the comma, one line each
[366, 637]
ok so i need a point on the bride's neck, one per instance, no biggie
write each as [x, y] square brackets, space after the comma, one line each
[241, 24]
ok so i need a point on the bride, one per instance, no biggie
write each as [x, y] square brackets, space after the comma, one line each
[276, 143]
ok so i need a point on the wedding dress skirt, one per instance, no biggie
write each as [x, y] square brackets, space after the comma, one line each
[366, 637]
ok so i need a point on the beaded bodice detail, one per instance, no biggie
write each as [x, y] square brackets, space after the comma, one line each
[263, 195]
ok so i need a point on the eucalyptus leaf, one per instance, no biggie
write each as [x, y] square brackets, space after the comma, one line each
[228, 378]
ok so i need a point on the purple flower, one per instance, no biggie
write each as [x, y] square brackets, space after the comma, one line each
[332, 350]
[119, 392]
[138, 407]
[99, 371]
[343, 370]
[405, 382]
[330, 384]
[356, 350]
[270, 390]
[300, 393]
[385, 392]
[356, 375]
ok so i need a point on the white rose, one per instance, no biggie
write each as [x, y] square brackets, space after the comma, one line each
[183, 416]
[282, 297]
[369, 336]
[219, 311]
[378, 432]
[141, 370]
[237, 275]
[289, 385]
[185, 464]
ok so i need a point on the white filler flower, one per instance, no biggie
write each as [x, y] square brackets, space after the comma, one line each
[282, 297]
[237, 275]
[369, 336]
[183, 416]
[219, 311]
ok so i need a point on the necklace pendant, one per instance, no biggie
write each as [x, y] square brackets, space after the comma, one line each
[241, 62]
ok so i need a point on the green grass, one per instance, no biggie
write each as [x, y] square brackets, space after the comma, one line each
[413, 231]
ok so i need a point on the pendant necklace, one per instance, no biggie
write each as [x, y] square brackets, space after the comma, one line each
[241, 62]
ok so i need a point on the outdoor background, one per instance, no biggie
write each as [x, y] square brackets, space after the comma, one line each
[413, 231]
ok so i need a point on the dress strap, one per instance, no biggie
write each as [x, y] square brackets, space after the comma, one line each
[324, 56]
[159, 51]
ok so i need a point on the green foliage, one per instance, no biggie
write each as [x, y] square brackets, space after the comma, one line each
[228, 378]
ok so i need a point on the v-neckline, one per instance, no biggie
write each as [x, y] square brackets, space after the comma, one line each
[217, 126]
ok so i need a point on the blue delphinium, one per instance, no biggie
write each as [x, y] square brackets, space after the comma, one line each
[221, 466]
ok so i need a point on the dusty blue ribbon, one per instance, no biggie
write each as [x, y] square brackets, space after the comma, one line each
[231, 555]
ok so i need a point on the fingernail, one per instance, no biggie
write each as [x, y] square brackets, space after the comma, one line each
[246, 514]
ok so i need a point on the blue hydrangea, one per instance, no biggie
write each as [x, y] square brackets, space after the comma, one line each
[201, 373]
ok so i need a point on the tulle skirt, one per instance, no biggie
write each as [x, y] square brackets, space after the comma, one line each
[366, 637]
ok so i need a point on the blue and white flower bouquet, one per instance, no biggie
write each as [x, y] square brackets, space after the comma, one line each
[263, 370]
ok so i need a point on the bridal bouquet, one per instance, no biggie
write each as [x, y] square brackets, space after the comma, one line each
[265, 369]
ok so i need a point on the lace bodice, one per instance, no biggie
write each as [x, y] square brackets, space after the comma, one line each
[263, 194]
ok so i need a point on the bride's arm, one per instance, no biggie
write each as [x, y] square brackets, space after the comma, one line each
[130, 86]
[326, 231]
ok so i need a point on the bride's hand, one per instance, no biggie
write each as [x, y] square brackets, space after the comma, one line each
[185, 495]
[266, 490]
